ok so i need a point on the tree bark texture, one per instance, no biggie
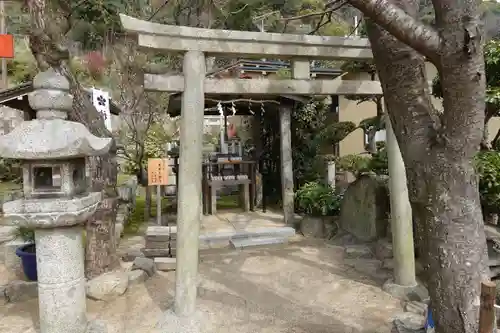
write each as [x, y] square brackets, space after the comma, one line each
[50, 22]
[438, 148]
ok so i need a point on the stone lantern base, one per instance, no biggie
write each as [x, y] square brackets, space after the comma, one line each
[58, 224]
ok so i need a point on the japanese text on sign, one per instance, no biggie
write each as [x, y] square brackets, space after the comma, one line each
[157, 171]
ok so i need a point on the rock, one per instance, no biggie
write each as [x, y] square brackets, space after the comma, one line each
[383, 249]
[132, 254]
[407, 293]
[165, 263]
[410, 321]
[137, 277]
[416, 307]
[96, 326]
[108, 286]
[388, 263]
[3, 299]
[365, 207]
[11, 260]
[18, 291]
[145, 264]
[358, 251]
[369, 267]
[311, 226]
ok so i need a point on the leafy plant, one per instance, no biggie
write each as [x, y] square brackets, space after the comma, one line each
[379, 163]
[26, 234]
[487, 165]
[318, 199]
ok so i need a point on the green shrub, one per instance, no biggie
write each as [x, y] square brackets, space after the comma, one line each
[317, 199]
[137, 219]
[356, 164]
[487, 165]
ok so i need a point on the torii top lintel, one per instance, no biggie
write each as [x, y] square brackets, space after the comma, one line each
[245, 43]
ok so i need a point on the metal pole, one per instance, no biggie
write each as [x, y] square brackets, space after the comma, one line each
[3, 30]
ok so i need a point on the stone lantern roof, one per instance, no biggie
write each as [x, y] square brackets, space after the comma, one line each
[50, 135]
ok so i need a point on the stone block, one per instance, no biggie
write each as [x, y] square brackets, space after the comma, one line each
[311, 226]
[165, 263]
[151, 253]
[145, 264]
[156, 244]
[365, 208]
[19, 291]
[255, 241]
[161, 233]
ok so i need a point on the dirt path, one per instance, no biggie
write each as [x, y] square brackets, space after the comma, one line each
[298, 288]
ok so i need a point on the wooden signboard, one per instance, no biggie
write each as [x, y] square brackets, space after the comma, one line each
[6, 46]
[157, 171]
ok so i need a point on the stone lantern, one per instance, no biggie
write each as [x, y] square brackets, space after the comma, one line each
[56, 200]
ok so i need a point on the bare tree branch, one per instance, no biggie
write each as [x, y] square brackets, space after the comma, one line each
[401, 25]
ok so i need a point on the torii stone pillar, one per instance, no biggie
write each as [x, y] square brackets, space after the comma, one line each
[401, 219]
[189, 206]
[300, 71]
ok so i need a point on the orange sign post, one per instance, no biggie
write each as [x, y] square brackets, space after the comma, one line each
[158, 175]
[157, 171]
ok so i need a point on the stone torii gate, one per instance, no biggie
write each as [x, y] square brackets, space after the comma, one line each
[196, 44]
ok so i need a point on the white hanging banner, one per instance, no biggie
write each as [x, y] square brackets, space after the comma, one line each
[100, 99]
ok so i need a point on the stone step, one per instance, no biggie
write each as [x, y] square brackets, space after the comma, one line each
[165, 263]
[156, 244]
[241, 243]
[283, 232]
[152, 253]
[161, 233]
[164, 234]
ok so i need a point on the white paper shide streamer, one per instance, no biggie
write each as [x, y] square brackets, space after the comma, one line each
[100, 99]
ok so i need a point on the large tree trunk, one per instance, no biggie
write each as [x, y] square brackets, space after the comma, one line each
[438, 149]
[49, 25]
